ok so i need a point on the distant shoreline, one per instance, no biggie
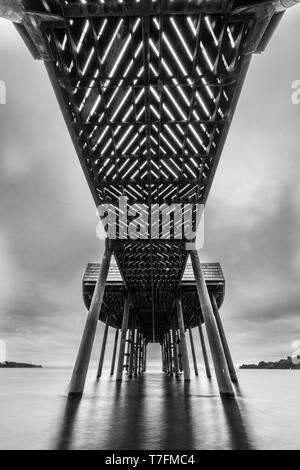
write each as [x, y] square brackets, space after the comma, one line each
[283, 364]
[18, 365]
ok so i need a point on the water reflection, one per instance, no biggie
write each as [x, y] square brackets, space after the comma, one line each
[240, 439]
[65, 436]
[128, 417]
[177, 426]
[153, 412]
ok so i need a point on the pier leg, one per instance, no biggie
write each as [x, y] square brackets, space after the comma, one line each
[179, 352]
[103, 347]
[167, 354]
[183, 345]
[127, 354]
[193, 351]
[131, 349]
[112, 370]
[85, 349]
[145, 357]
[170, 353]
[140, 353]
[221, 370]
[227, 353]
[136, 351]
[175, 348]
[204, 352]
[123, 340]
[162, 357]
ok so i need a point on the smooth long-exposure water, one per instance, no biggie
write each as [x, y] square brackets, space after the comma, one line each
[150, 412]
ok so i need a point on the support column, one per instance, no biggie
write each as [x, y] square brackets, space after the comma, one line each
[136, 351]
[204, 352]
[170, 353]
[140, 353]
[145, 356]
[175, 348]
[183, 345]
[162, 357]
[227, 353]
[101, 360]
[127, 354]
[193, 351]
[217, 352]
[179, 352]
[123, 340]
[112, 370]
[167, 354]
[85, 349]
[131, 349]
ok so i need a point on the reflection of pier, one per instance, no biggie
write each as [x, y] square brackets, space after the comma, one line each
[148, 90]
[151, 412]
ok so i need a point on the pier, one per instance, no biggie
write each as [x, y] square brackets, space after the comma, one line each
[148, 91]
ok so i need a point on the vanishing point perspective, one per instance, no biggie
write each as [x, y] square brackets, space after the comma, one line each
[148, 90]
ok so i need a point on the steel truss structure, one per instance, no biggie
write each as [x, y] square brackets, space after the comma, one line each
[148, 90]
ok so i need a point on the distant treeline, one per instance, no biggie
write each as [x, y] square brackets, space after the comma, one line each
[11, 365]
[282, 364]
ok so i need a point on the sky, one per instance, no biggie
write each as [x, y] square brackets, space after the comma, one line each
[48, 218]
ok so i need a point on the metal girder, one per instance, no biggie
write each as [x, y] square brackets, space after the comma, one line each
[148, 90]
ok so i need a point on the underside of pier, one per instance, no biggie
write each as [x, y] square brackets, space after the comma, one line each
[148, 90]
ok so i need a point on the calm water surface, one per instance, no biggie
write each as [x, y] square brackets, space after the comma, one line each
[150, 412]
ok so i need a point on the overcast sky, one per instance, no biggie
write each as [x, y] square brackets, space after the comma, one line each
[47, 229]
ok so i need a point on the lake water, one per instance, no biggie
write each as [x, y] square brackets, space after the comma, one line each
[149, 412]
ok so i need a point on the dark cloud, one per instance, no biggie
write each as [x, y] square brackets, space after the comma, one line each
[47, 232]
